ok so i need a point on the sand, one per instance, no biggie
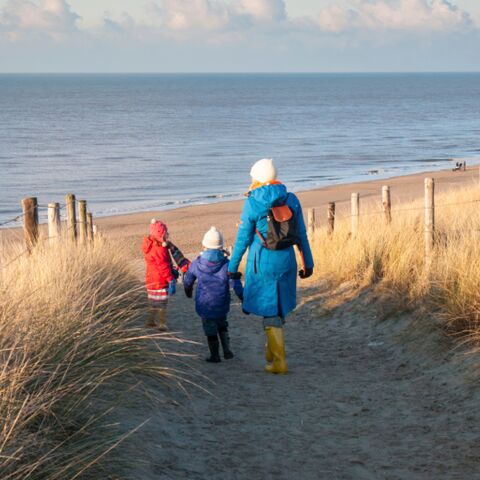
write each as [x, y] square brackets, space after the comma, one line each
[187, 225]
[365, 398]
[362, 400]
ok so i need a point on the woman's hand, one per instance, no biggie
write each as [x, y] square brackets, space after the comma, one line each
[308, 272]
[235, 276]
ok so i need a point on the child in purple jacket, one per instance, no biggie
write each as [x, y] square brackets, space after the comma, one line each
[212, 297]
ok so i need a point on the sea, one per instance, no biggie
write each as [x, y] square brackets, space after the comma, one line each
[140, 142]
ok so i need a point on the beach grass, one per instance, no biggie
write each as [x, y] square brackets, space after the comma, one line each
[71, 330]
[390, 258]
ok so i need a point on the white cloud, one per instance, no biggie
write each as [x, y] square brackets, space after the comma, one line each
[217, 15]
[263, 10]
[430, 15]
[51, 18]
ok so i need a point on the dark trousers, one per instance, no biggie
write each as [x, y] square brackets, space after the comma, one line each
[212, 326]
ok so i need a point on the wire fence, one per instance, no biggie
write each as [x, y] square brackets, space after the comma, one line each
[401, 210]
[31, 233]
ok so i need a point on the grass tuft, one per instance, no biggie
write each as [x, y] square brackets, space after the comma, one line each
[70, 329]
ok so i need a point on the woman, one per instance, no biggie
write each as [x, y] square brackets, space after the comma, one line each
[271, 275]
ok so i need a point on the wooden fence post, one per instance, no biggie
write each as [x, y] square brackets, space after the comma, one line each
[331, 218]
[355, 213]
[464, 165]
[82, 221]
[89, 227]
[30, 221]
[71, 217]
[429, 219]
[54, 226]
[387, 204]
[311, 223]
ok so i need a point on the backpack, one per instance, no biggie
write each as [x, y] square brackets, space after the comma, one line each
[282, 229]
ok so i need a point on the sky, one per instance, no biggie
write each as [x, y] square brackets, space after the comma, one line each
[239, 35]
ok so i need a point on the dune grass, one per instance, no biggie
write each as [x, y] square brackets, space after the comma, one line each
[70, 329]
[391, 258]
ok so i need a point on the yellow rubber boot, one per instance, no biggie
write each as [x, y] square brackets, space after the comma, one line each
[268, 352]
[162, 320]
[150, 322]
[276, 343]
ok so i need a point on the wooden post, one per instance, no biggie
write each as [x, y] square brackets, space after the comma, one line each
[54, 227]
[311, 223]
[71, 217]
[89, 227]
[355, 213]
[331, 218]
[30, 221]
[386, 204]
[464, 165]
[82, 221]
[429, 219]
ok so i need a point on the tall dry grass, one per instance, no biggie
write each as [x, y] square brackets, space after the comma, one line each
[70, 328]
[391, 257]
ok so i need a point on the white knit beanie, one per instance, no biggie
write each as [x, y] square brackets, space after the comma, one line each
[213, 239]
[264, 171]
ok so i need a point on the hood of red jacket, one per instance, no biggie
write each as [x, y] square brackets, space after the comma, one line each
[147, 245]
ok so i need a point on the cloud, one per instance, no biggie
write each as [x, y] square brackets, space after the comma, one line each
[429, 15]
[50, 18]
[263, 10]
[212, 15]
[123, 23]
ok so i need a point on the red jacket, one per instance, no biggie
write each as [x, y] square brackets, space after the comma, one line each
[159, 264]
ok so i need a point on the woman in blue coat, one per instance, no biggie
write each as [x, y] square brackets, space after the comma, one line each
[271, 275]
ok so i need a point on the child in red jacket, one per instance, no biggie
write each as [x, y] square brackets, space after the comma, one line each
[160, 278]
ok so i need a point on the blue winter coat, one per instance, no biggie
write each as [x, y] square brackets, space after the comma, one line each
[212, 297]
[271, 275]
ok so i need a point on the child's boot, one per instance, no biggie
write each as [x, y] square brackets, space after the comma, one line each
[162, 320]
[276, 344]
[214, 346]
[150, 322]
[225, 339]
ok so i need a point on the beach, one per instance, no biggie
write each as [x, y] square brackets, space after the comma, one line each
[188, 224]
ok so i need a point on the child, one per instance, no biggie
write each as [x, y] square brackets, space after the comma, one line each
[160, 274]
[212, 298]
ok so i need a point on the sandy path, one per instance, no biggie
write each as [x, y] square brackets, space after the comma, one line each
[357, 404]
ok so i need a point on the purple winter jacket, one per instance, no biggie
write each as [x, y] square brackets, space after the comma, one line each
[212, 297]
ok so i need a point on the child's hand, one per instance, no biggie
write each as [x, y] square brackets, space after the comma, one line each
[172, 287]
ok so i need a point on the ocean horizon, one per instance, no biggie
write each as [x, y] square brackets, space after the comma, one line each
[138, 142]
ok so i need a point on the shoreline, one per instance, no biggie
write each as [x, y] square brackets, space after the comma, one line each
[187, 224]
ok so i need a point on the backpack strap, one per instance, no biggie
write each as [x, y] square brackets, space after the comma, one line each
[260, 236]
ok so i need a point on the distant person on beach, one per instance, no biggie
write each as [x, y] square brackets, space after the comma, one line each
[161, 275]
[212, 297]
[271, 223]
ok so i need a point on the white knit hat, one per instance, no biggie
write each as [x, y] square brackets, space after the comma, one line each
[264, 171]
[213, 239]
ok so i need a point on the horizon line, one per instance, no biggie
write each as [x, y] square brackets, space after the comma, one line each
[213, 72]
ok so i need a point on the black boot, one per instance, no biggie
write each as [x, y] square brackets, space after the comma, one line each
[214, 346]
[225, 339]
